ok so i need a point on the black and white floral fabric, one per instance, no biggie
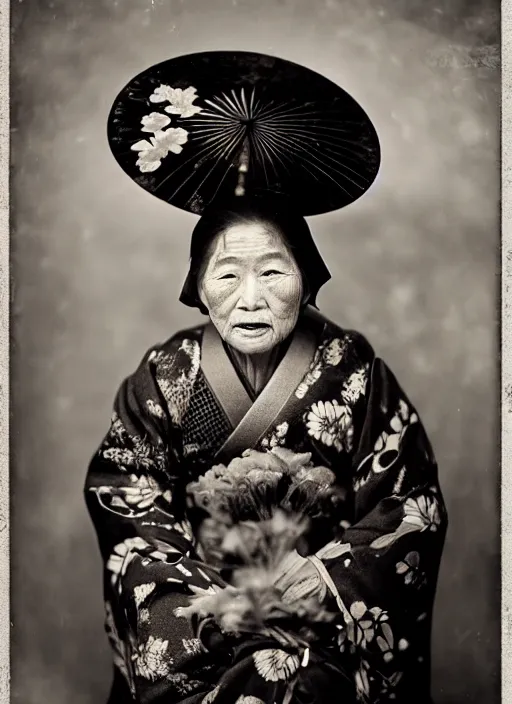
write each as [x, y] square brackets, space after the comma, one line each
[348, 411]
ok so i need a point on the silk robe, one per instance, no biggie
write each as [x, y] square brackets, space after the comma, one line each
[341, 403]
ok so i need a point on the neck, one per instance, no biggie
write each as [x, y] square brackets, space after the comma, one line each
[257, 368]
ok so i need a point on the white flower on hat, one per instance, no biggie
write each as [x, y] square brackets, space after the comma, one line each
[154, 122]
[150, 154]
[152, 151]
[172, 139]
[180, 100]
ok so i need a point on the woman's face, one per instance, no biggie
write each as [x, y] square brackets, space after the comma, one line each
[252, 287]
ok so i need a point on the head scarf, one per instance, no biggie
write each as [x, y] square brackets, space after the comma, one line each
[281, 216]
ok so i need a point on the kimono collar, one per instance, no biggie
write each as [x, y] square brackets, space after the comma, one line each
[250, 419]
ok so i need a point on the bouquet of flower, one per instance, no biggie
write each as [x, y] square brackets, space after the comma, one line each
[263, 516]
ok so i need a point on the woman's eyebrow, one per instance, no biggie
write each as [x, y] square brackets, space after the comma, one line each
[227, 259]
[273, 254]
[234, 259]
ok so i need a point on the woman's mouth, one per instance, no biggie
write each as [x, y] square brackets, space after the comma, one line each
[253, 329]
[252, 326]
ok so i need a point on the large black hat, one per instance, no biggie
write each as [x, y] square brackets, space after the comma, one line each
[204, 127]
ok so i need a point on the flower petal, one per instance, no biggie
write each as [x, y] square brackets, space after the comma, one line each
[154, 122]
[274, 665]
[358, 609]
[141, 146]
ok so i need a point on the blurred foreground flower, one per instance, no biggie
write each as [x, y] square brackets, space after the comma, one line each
[258, 511]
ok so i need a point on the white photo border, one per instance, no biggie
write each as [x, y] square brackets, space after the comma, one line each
[4, 356]
[506, 352]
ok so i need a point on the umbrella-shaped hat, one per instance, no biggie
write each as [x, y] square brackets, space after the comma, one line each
[209, 126]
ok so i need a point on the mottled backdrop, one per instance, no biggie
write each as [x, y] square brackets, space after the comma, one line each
[98, 263]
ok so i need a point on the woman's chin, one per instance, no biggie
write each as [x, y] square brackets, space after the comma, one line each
[247, 342]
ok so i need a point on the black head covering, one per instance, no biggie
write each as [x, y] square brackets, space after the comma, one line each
[277, 212]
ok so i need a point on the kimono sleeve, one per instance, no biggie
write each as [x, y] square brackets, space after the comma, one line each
[134, 496]
[385, 584]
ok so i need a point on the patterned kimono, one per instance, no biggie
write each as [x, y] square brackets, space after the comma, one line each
[339, 402]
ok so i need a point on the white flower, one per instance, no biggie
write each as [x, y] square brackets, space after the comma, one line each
[366, 624]
[150, 154]
[181, 103]
[242, 699]
[172, 139]
[331, 424]
[181, 100]
[144, 616]
[123, 554]
[277, 437]
[311, 377]
[192, 645]
[117, 429]
[161, 94]
[118, 455]
[142, 591]
[275, 665]
[362, 682]
[282, 429]
[362, 630]
[178, 392]
[386, 642]
[151, 661]
[152, 151]
[355, 386]
[155, 409]
[402, 417]
[154, 122]
[409, 567]
[142, 493]
[422, 512]
[387, 446]
[333, 353]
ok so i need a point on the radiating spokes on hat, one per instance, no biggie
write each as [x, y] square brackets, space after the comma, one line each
[283, 136]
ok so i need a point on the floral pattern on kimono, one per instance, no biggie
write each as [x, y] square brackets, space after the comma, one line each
[351, 414]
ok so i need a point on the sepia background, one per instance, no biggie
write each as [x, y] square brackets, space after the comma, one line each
[97, 266]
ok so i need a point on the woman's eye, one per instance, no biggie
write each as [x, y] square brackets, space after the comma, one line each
[272, 272]
[227, 276]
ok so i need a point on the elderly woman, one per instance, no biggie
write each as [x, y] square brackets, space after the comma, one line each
[269, 373]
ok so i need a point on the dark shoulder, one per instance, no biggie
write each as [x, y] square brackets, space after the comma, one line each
[354, 343]
[193, 334]
[178, 350]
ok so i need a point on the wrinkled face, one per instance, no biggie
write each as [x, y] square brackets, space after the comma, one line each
[252, 287]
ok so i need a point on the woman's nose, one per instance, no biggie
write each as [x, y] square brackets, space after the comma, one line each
[250, 296]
